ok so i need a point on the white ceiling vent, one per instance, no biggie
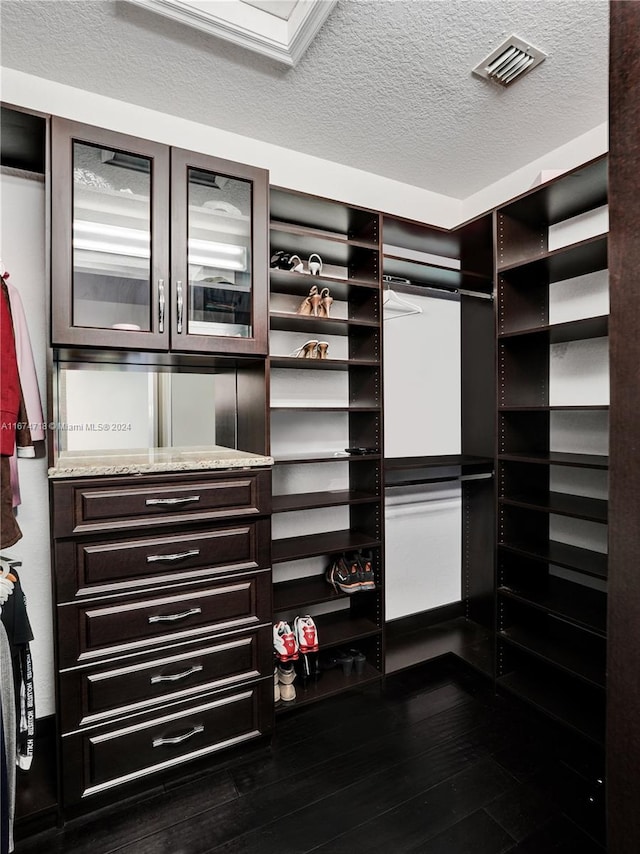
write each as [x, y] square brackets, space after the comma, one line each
[510, 61]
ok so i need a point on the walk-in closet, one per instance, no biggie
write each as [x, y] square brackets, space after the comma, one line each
[319, 369]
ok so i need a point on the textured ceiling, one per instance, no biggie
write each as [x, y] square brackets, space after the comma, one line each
[385, 87]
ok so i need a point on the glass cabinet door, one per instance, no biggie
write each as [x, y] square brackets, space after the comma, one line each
[219, 255]
[110, 239]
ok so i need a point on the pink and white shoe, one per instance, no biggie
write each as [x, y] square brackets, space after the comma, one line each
[284, 642]
[306, 634]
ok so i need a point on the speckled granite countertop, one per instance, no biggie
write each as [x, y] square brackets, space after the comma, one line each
[152, 460]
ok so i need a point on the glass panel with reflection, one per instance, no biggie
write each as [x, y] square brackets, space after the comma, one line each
[219, 255]
[111, 239]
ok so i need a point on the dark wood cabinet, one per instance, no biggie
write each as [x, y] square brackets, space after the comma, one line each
[163, 623]
[155, 248]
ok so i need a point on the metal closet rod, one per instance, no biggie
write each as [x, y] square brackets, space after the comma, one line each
[433, 291]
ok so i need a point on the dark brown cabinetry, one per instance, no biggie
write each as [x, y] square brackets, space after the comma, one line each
[164, 647]
[327, 502]
[552, 448]
[155, 248]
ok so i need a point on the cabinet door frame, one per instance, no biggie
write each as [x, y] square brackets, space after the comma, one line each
[257, 344]
[63, 134]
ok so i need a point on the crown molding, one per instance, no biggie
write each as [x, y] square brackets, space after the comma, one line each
[284, 40]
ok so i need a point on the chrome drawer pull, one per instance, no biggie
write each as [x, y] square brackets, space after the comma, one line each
[170, 618]
[189, 499]
[176, 556]
[178, 739]
[175, 677]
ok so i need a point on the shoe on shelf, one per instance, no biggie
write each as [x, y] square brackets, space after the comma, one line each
[326, 301]
[359, 661]
[282, 260]
[322, 348]
[310, 303]
[308, 350]
[367, 576]
[284, 642]
[306, 634]
[308, 667]
[286, 672]
[295, 264]
[344, 659]
[344, 575]
[315, 264]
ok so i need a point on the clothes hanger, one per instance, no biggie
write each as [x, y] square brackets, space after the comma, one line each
[392, 299]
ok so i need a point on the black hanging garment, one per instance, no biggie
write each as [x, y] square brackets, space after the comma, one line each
[16, 622]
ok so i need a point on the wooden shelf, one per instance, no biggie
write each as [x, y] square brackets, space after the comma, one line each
[312, 545]
[298, 284]
[569, 658]
[579, 407]
[559, 701]
[331, 682]
[292, 362]
[319, 234]
[435, 275]
[313, 500]
[290, 322]
[302, 592]
[341, 629]
[580, 605]
[334, 249]
[559, 458]
[326, 457]
[559, 333]
[577, 259]
[561, 504]
[575, 192]
[560, 554]
[293, 207]
[468, 640]
[320, 408]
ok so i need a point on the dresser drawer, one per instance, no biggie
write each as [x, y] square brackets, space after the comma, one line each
[89, 505]
[116, 625]
[104, 566]
[135, 682]
[96, 760]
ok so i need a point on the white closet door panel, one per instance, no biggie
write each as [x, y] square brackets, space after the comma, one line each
[422, 548]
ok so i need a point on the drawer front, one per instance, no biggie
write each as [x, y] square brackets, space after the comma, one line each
[92, 696]
[97, 760]
[104, 566]
[84, 506]
[115, 625]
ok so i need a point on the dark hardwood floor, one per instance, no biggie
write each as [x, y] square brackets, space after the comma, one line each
[437, 764]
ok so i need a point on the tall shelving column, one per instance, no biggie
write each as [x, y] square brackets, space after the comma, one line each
[449, 265]
[552, 453]
[325, 501]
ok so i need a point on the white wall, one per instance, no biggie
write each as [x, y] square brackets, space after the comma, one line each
[290, 168]
[22, 229]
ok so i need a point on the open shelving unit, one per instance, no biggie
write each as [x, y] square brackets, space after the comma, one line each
[552, 450]
[453, 265]
[327, 502]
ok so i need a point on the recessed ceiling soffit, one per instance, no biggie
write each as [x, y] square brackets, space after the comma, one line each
[279, 29]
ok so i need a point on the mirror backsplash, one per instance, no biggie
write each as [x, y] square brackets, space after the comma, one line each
[122, 407]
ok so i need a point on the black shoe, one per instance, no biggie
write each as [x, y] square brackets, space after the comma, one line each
[367, 576]
[344, 575]
[308, 667]
[359, 661]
